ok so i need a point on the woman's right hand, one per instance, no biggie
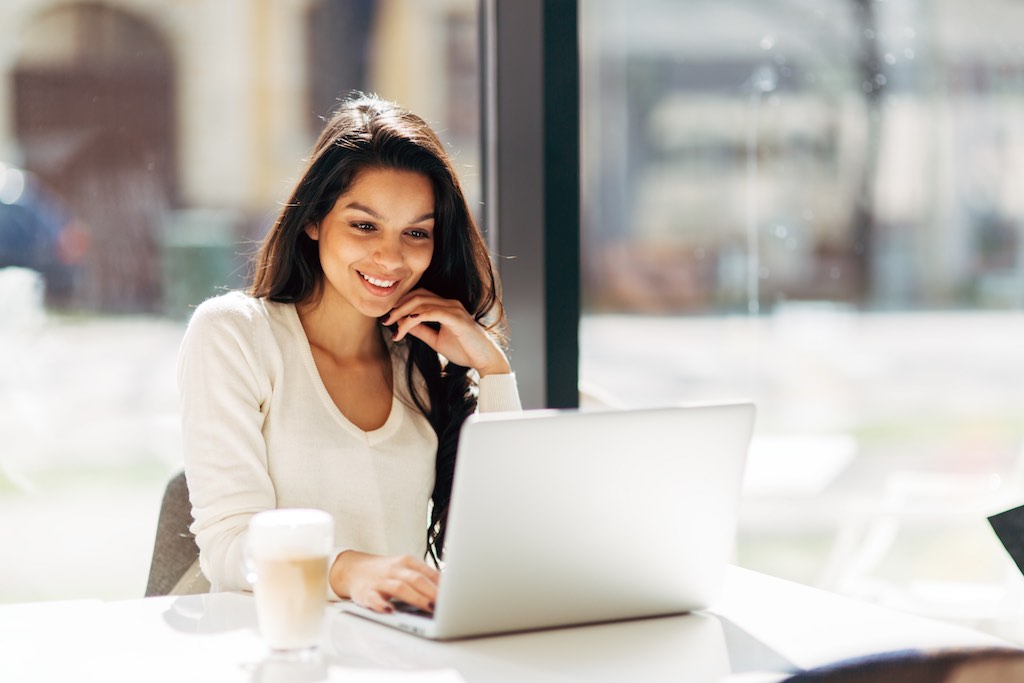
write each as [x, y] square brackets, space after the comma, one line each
[374, 581]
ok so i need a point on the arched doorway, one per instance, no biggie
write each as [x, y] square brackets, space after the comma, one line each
[93, 113]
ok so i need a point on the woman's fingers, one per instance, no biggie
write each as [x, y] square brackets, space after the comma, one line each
[430, 314]
[386, 579]
[375, 601]
[412, 595]
[420, 301]
[423, 307]
[446, 326]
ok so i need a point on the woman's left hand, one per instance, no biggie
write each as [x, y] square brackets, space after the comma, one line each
[460, 338]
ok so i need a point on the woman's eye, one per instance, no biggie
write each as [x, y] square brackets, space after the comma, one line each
[363, 227]
[419, 234]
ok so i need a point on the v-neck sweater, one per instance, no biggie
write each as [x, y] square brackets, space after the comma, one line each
[260, 431]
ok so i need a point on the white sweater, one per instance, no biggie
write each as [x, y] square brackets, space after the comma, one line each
[261, 431]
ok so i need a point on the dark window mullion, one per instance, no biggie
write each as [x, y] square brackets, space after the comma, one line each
[531, 187]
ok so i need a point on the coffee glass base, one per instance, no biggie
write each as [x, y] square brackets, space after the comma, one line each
[304, 665]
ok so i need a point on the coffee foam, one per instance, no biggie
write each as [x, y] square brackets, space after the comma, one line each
[293, 532]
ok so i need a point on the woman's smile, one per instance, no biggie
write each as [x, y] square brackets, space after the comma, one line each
[378, 286]
[376, 282]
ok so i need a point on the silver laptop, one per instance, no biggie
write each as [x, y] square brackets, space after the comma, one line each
[571, 517]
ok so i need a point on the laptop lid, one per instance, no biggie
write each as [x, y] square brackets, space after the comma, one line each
[570, 517]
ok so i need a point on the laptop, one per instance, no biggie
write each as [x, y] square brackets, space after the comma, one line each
[569, 517]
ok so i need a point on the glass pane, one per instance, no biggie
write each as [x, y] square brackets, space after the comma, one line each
[814, 205]
[144, 151]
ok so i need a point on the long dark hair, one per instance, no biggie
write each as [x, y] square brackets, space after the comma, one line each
[369, 132]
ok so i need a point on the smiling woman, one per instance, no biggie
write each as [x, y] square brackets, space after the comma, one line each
[341, 379]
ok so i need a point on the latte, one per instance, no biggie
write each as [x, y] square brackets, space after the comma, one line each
[291, 595]
[288, 551]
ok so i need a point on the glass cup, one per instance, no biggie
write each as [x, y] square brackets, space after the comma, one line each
[287, 554]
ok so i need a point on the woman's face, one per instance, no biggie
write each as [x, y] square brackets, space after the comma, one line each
[377, 240]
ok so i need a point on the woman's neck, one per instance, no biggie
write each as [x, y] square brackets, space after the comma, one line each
[342, 332]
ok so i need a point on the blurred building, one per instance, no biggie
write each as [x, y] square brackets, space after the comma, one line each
[172, 130]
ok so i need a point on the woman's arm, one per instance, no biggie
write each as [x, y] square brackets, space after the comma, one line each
[498, 393]
[222, 388]
[462, 340]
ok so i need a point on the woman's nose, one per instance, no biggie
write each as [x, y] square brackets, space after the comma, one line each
[388, 253]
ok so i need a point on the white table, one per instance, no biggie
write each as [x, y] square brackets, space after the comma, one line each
[762, 627]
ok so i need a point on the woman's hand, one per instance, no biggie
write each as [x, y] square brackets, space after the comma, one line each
[373, 581]
[460, 338]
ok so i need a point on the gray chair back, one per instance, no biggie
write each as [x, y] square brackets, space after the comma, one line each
[175, 549]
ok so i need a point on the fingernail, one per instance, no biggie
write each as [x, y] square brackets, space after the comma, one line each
[389, 609]
[431, 606]
[414, 315]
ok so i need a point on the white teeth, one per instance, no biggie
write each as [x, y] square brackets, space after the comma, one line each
[378, 283]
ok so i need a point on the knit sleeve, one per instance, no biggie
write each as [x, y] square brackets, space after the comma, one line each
[223, 390]
[498, 393]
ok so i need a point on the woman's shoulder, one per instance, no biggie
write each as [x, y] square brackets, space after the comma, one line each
[232, 310]
[230, 305]
[236, 314]
[239, 307]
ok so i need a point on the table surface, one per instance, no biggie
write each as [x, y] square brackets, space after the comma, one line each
[762, 628]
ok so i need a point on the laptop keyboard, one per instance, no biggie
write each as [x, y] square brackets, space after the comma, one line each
[406, 608]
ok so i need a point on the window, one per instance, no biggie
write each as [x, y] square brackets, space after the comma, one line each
[812, 204]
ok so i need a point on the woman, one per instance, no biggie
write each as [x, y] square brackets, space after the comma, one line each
[341, 379]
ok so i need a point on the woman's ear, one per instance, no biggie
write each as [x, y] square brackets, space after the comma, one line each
[313, 231]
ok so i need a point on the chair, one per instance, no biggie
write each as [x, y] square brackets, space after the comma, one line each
[174, 569]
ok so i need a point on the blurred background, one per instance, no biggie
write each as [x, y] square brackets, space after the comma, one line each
[810, 203]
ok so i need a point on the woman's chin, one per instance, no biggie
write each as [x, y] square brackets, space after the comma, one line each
[375, 310]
